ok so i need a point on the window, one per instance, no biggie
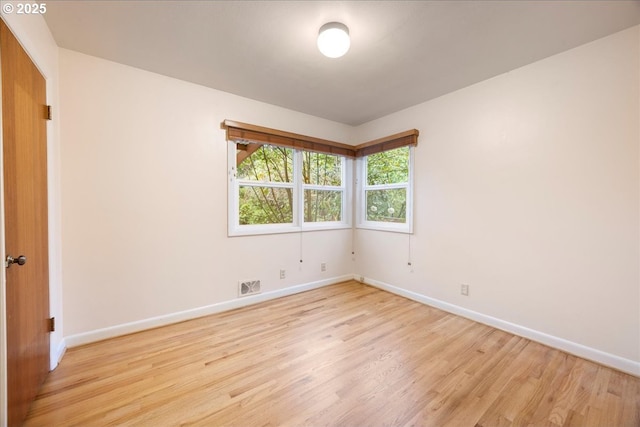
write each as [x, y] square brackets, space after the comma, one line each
[274, 189]
[282, 182]
[323, 190]
[265, 186]
[386, 190]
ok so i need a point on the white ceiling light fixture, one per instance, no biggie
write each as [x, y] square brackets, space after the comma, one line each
[333, 39]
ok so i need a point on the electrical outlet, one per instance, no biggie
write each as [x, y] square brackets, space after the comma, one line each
[323, 266]
[464, 290]
[283, 274]
[362, 279]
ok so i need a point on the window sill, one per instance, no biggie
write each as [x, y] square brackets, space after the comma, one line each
[249, 230]
[393, 228]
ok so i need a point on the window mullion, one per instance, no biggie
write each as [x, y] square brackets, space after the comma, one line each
[386, 186]
[298, 194]
[243, 183]
[343, 180]
[322, 187]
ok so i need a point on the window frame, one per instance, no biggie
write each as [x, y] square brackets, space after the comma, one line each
[361, 199]
[298, 224]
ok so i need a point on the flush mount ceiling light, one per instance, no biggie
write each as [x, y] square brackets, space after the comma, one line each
[333, 39]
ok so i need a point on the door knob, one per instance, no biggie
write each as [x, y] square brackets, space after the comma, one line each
[21, 260]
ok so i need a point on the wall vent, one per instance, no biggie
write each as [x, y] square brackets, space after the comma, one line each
[248, 287]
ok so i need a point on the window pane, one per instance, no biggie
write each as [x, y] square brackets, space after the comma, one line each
[267, 163]
[265, 205]
[321, 205]
[388, 167]
[387, 205]
[321, 169]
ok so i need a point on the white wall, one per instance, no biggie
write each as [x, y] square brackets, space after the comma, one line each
[527, 189]
[144, 193]
[33, 33]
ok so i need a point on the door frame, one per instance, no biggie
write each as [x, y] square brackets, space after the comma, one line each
[38, 46]
[3, 286]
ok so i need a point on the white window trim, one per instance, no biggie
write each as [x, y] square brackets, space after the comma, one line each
[361, 203]
[298, 224]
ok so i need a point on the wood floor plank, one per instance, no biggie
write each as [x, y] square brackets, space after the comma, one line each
[342, 355]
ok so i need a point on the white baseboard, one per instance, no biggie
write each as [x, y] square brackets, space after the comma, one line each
[57, 354]
[154, 322]
[607, 359]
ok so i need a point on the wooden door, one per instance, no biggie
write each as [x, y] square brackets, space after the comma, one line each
[25, 209]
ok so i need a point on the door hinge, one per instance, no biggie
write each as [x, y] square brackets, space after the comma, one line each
[52, 324]
[48, 112]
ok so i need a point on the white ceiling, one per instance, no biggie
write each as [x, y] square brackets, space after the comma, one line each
[402, 52]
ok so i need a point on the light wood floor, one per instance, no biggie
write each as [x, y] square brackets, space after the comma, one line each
[342, 355]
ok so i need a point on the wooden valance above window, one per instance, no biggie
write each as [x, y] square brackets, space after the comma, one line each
[243, 134]
[387, 143]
